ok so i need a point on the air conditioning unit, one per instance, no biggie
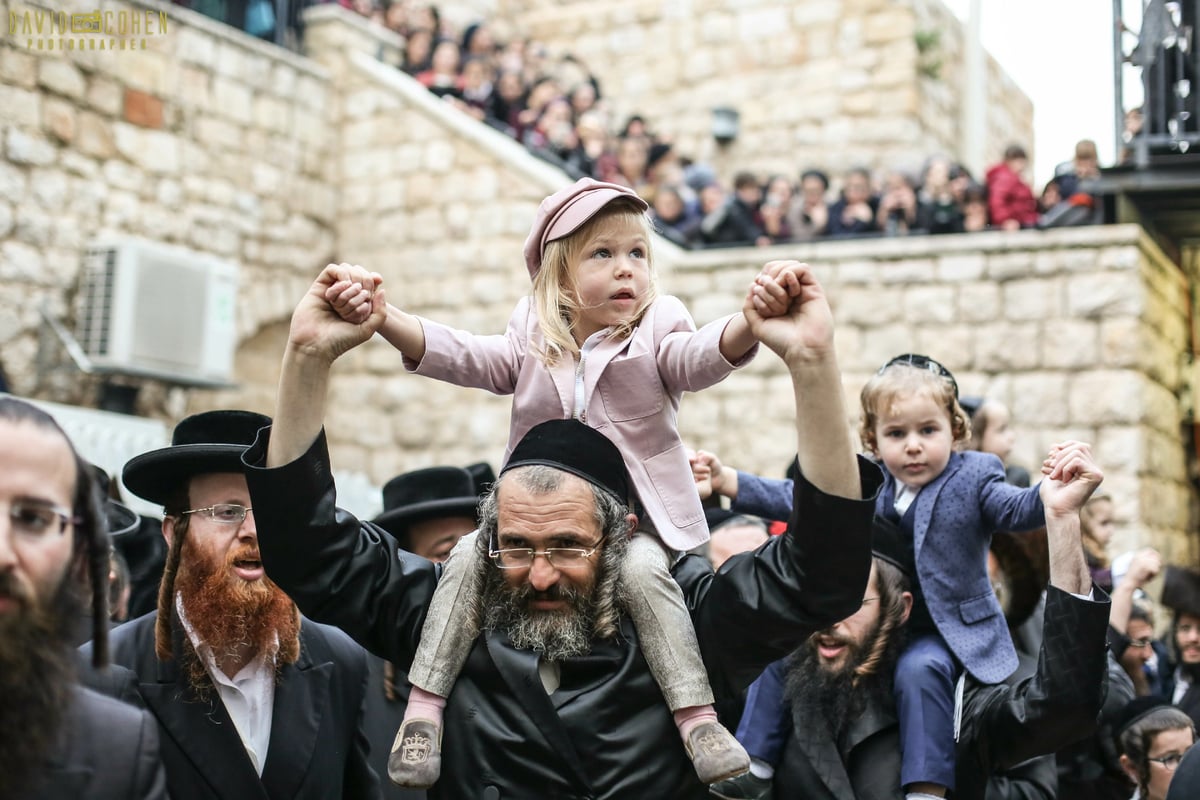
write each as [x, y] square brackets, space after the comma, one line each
[157, 310]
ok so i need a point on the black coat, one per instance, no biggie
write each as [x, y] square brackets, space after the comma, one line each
[1002, 725]
[107, 750]
[606, 732]
[317, 749]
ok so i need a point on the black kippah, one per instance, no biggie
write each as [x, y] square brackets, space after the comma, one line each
[570, 445]
[1135, 710]
[888, 542]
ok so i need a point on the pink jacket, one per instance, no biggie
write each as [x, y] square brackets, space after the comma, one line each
[631, 395]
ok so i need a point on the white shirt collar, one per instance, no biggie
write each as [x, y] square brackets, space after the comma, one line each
[249, 696]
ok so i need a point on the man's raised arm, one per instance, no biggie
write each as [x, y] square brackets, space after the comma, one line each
[317, 337]
[803, 338]
[1071, 476]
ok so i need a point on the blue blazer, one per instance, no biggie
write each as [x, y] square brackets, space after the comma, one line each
[955, 517]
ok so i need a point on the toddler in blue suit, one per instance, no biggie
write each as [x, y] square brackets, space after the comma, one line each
[947, 504]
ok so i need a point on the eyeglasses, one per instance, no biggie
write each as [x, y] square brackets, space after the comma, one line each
[224, 513]
[1170, 761]
[559, 557]
[36, 520]
[923, 362]
[1139, 643]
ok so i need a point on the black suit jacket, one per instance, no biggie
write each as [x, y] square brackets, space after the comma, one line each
[1002, 725]
[605, 732]
[317, 749]
[106, 751]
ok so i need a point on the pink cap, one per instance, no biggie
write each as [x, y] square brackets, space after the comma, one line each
[563, 212]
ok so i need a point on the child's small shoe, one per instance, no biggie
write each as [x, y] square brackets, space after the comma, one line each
[416, 758]
[746, 786]
[715, 753]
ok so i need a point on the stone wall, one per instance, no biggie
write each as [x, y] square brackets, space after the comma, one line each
[205, 138]
[284, 164]
[829, 83]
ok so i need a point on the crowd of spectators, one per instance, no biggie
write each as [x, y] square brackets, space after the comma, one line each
[555, 107]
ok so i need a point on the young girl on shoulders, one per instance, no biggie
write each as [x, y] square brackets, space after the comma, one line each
[596, 342]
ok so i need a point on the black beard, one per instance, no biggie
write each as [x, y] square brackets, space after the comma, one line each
[37, 671]
[836, 696]
[557, 635]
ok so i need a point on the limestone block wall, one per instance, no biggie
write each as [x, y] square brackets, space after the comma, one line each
[205, 138]
[831, 83]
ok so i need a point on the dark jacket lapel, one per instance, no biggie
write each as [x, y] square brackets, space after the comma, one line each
[301, 700]
[201, 729]
[815, 741]
[519, 669]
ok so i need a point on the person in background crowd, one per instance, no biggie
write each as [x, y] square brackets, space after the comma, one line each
[1011, 204]
[854, 212]
[1153, 739]
[808, 215]
[427, 511]
[58, 739]
[232, 673]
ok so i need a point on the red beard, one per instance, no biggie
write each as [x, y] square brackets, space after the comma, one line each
[228, 613]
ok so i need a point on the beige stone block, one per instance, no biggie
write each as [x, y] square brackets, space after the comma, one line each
[951, 343]
[60, 76]
[1004, 266]
[218, 134]
[868, 307]
[1105, 294]
[960, 267]
[1006, 346]
[33, 226]
[195, 88]
[1040, 399]
[48, 187]
[105, 95]
[1126, 258]
[154, 151]
[979, 302]
[1105, 397]
[907, 271]
[926, 304]
[18, 68]
[21, 262]
[26, 148]
[1031, 299]
[12, 182]
[232, 99]
[1070, 344]
[1121, 448]
[6, 227]
[21, 107]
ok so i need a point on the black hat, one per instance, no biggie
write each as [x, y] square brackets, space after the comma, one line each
[121, 518]
[572, 446]
[432, 492]
[212, 441]
[1181, 590]
[1024, 558]
[971, 404]
[1135, 710]
[889, 543]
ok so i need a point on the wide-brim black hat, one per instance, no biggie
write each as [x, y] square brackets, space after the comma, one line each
[432, 492]
[121, 518]
[1181, 590]
[212, 441]
[1024, 560]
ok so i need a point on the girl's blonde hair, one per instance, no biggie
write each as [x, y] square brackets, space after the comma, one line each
[1096, 551]
[898, 381]
[555, 292]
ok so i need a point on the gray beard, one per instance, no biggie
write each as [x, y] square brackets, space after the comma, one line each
[557, 635]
